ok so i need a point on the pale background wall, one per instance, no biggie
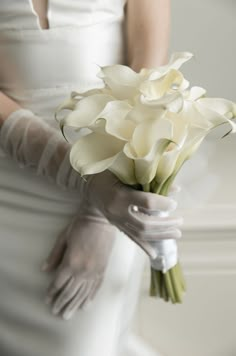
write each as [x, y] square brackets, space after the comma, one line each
[205, 324]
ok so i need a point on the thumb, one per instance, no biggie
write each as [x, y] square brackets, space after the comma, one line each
[56, 253]
[174, 189]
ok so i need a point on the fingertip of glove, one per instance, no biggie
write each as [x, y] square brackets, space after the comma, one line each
[86, 305]
[44, 267]
[172, 205]
[67, 316]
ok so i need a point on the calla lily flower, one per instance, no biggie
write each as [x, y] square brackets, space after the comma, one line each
[121, 80]
[177, 59]
[142, 126]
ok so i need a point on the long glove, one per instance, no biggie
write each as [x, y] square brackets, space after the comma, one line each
[31, 142]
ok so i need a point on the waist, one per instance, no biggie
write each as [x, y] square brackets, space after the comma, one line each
[61, 57]
[22, 187]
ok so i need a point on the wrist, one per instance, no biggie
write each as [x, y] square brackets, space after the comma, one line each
[145, 61]
[7, 107]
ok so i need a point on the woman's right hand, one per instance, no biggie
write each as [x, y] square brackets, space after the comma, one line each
[133, 211]
[80, 257]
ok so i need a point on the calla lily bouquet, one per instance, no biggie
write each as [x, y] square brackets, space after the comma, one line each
[143, 127]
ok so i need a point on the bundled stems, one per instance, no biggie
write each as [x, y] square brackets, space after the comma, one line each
[171, 285]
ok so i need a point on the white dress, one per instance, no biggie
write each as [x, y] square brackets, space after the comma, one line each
[33, 211]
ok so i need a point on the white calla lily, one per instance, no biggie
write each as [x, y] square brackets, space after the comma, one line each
[221, 106]
[75, 97]
[177, 59]
[155, 89]
[194, 93]
[216, 118]
[166, 166]
[142, 112]
[123, 167]
[94, 153]
[117, 122]
[149, 141]
[86, 111]
[122, 80]
[172, 102]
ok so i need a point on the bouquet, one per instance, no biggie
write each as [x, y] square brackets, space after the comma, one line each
[143, 127]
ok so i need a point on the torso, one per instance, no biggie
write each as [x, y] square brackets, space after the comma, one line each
[41, 9]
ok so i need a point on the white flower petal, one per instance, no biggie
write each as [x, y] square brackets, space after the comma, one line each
[215, 118]
[149, 141]
[145, 167]
[148, 133]
[195, 93]
[67, 104]
[172, 102]
[192, 116]
[117, 124]
[121, 79]
[180, 128]
[155, 89]
[123, 168]
[94, 153]
[167, 165]
[221, 106]
[177, 59]
[142, 112]
[87, 111]
[79, 95]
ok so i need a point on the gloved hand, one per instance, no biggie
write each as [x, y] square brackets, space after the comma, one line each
[32, 142]
[134, 212]
[80, 255]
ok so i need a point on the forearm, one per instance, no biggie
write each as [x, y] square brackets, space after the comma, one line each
[31, 142]
[147, 33]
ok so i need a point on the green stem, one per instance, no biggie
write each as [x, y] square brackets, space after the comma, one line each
[146, 187]
[169, 286]
[177, 284]
[181, 276]
[153, 286]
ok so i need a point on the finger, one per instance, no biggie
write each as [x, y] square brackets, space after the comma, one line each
[144, 245]
[151, 202]
[59, 282]
[174, 189]
[145, 223]
[56, 253]
[66, 294]
[95, 288]
[164, 235]
[75, 303]
[91, 294]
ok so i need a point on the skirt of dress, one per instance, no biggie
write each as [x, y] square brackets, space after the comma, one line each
[33, 212]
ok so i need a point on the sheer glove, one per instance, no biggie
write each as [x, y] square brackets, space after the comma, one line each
[32, 142]
[80, 255]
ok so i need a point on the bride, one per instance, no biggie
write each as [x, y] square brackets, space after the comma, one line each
[85, 232]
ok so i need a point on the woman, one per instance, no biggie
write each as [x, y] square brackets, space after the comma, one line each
[94, 258]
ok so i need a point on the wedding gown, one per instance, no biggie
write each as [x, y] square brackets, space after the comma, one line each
[49, 64]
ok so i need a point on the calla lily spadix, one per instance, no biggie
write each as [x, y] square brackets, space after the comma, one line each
[143, 127]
